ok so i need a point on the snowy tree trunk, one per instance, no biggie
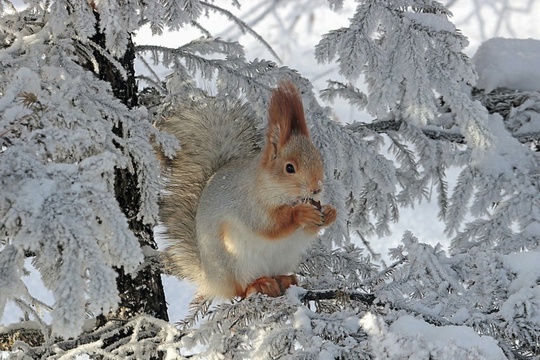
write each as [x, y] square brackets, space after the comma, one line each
[142, 294]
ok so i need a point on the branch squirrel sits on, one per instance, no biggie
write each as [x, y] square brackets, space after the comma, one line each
[239, 218]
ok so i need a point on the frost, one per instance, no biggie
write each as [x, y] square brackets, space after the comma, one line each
[435, 22]
[57, 173]
[526, 266]
[302, 319]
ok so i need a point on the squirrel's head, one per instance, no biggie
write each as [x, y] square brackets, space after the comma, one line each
[292, 165]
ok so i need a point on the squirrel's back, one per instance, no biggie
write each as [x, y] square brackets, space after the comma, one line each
[211, 133]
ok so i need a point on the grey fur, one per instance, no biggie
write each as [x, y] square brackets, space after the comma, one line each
[211, 134]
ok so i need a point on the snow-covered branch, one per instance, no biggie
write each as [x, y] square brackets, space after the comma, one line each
[516, 108]
[386, 126]
[142, 337]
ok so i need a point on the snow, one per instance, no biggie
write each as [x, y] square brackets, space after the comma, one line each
[296, 51]
[294, 293]
[526, 266]
[440, 336]
[352, 323]
[508, 151]
[432, 21]
[413, 338]
[522, 307]
[302, 319]
[508, 63]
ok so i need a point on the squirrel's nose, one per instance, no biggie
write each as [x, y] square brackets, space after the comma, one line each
[317, 187]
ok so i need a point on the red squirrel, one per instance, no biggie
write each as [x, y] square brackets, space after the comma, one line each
[239, 218]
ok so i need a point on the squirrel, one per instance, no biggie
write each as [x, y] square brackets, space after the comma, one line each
[239, 217]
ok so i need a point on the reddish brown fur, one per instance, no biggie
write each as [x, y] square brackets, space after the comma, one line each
[271, 286]
[285, 143]
[285, 115]
[285, 281]
[264, 285]
[289, 218]
[93, 5]
[239, 290]
[329, 214]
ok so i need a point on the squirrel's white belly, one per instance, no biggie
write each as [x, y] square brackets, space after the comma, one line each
[257, 256]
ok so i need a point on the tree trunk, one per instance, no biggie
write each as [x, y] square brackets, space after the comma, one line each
[143, 293]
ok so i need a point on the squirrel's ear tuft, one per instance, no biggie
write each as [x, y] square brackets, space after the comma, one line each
[285, 115]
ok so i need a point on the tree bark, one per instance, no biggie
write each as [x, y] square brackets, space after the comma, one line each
[143, 293]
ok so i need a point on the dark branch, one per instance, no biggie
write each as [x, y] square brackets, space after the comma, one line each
[500, 101]
[385, 126]
[32, 337]
[313, 295]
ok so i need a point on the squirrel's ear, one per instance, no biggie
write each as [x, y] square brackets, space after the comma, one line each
[285, 117]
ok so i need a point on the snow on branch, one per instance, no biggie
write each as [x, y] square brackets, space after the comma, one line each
[386, 126]
[142, 337]
[407, 52]
[345, 91]
[59, 158]
[243, 27]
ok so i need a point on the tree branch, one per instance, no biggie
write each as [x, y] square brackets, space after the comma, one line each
[501, 101]
[117, 338]
[314, 295]
[32, 337]
[385, 126]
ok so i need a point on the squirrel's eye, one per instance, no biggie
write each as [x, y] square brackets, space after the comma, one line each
[290, 168]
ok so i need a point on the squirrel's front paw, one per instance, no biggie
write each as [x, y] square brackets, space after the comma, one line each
[306, 214]
[329, 214]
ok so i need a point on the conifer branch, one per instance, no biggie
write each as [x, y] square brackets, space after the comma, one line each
[244, 27]
[155, 80]
[201, 28]
[109, 58]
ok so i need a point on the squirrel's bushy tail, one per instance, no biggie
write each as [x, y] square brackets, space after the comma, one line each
[211, 133]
